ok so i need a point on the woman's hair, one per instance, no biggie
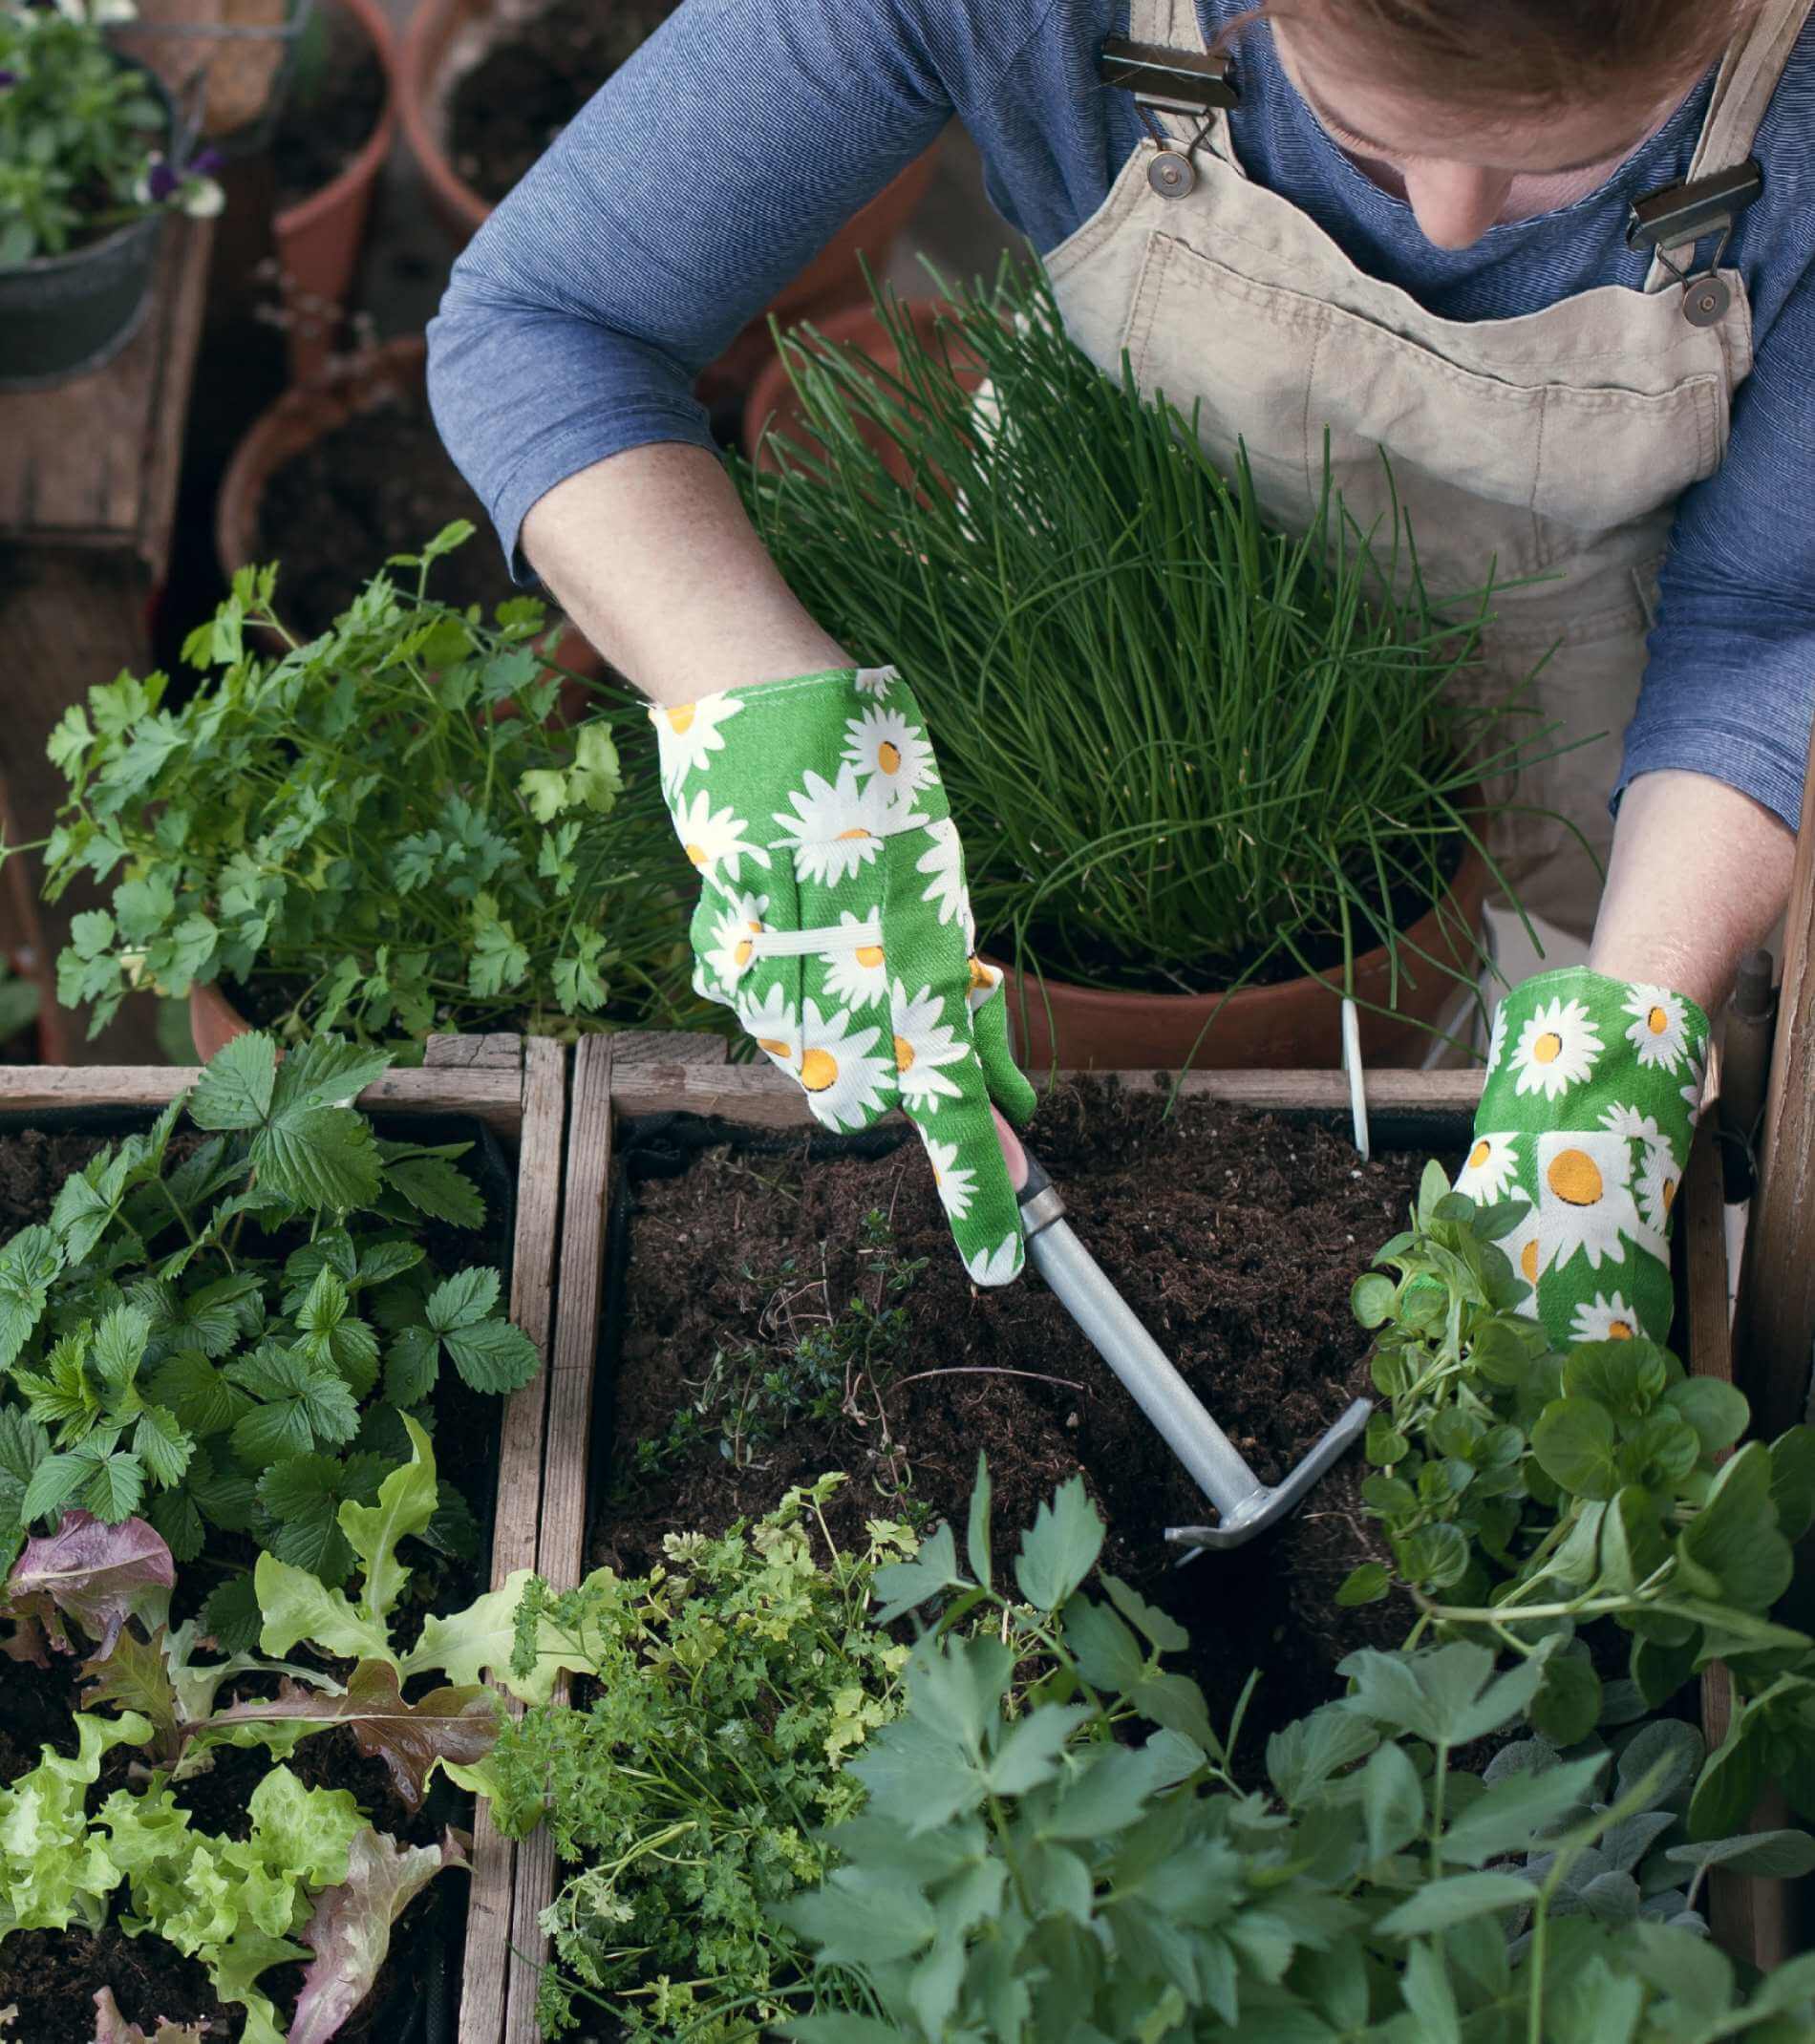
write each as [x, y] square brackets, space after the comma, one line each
[1518, 54]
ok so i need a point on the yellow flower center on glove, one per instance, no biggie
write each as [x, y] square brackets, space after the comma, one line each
[903, 1054]
[680, 721]
[1575, 1178]
[1548, 1049]
[818, 1070]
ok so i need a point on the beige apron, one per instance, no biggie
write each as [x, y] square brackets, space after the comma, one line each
[1555, 444]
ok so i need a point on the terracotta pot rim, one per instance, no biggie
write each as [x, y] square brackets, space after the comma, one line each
[365, 166]
[1466, 878]
[417, 65]
[319, 405]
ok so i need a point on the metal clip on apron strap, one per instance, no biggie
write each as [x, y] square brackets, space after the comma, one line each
[1681, 216]
[1187, 82]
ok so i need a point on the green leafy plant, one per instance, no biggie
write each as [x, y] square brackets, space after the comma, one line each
[390, 827]
[161, 1349]
[79, 135]
[1526, 1496]
[1025, 1868]
[1180, 748]
[730, 1682]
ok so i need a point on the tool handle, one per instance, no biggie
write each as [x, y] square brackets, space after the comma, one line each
[1036, 1181]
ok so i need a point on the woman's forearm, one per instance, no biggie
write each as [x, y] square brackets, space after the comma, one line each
[651, 556]
[1699, 876]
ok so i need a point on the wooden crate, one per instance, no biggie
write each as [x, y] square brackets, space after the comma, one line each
[638, 1076]
[518, 1088]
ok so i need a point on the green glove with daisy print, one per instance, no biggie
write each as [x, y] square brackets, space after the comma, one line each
[833, 919]
[1593, 1089]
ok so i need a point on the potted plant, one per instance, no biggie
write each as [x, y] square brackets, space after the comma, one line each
[1209, 780]
[328, 149]
[817, 1319]
[388, 830]
[484, 88]
[93, 160]
[249, 1404]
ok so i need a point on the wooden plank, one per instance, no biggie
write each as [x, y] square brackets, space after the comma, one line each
[95, 461]
[560, 1543]
[665, 1047]
[518, 1511]
[1774, 1327]
[488, 1094]
[1751, 1918]
[763, 1096]
[467, 1053]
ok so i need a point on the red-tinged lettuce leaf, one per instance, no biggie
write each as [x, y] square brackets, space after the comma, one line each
[22, 1639]
[136, 1676]
[97, 1574]
[460, 1725]
[351, 1929]
[110, 2027]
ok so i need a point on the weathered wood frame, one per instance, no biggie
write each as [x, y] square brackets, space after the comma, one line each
[518, 1087]
[649, 1075]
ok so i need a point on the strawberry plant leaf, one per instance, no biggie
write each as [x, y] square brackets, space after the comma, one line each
[411, 1366]
[463, 1300]
[493, 1357]
[438, 1189]
[29, 1263]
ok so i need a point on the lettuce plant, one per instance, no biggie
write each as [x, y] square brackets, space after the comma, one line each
[391, 825]
[161, 1351]
[730, 1682]
[79, 135]
[1026, 1867]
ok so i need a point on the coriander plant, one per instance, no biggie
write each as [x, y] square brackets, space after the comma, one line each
[387, 828]
[81, 136]
[241, 1339]
[1030, 1864]
[1181, 748]
[730, 1684]
[1526, 1496]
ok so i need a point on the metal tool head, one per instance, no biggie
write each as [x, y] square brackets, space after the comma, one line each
[1268, 1505]
[1245, 1506]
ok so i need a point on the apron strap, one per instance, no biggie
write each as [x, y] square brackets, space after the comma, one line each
[1169, 23]
[1743, 89]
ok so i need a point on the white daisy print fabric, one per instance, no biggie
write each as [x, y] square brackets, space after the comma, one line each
[1586, 1116]
[835, 921]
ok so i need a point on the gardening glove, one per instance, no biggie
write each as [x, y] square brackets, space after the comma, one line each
[834, 922]
[1593, 1090]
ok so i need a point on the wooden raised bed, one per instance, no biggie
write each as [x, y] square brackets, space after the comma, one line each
[635, 1075]
[517, 1087]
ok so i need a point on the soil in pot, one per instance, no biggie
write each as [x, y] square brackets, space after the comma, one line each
[1235, 1237]
[504, 113]
[333, 105]
[379, 484]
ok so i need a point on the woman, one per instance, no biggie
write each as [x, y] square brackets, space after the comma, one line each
[1410, 230]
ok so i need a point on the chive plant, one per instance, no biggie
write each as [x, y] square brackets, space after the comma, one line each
[1185, 751]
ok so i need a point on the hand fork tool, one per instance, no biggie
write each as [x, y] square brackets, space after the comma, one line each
[1245, 1506]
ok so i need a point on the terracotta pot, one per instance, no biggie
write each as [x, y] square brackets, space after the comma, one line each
[773, 402]
[213, 1022]
[319, 240]
[831, 280]
[1294, 1024]
[303, 414]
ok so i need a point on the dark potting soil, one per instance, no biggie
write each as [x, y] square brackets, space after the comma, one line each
[52, 1976]
[517, 100]
[1069, 954]
[334, 102]
[378, 485]
[1235, 1238]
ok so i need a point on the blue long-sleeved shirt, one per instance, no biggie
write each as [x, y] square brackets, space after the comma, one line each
[708, 170]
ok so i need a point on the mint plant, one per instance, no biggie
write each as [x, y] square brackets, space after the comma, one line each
[81, 136]
[1029, 1865]
[163, 1350]
[388, 827]
[731, 1683]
